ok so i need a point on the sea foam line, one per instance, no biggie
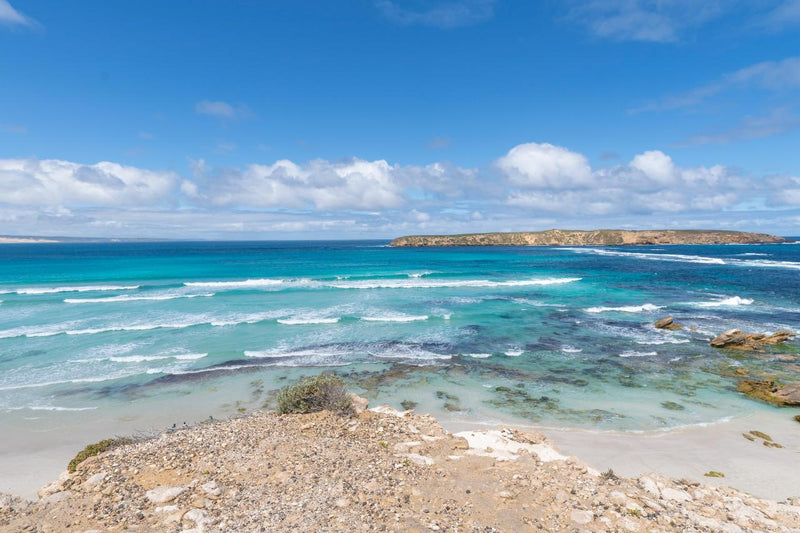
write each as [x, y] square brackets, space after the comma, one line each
[394, 318]
[733, 301]
[407, 283]
[294, 321]
[127, 298]
[682, 258]
[76, 288]
[625, 309]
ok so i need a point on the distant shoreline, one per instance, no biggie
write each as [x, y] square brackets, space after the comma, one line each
[557, 237]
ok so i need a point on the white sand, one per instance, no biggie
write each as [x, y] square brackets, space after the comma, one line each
[690, 452]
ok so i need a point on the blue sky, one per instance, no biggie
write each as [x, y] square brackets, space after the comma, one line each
[375, 118]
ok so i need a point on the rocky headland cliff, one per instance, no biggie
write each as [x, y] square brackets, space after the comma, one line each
[603, 237]
[380, 470]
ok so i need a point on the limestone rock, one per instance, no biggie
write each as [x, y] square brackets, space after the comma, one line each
[769, 391]
[164, 494]
[738, 339]
[581, 517]
[359, 404]
[667, 323]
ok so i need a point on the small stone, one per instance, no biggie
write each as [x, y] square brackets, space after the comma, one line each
[163, 494]
[505, 494]
[580, 516]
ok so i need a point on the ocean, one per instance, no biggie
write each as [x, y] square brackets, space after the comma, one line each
[98, 338]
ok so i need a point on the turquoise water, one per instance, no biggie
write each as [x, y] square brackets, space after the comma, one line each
[548, 336]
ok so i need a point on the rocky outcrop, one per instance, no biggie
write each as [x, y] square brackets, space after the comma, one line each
[557, 237]
[667, 323]
[380, 470]
[769, 391]
[739, 340]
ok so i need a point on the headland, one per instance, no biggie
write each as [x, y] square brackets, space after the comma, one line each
[602, 237]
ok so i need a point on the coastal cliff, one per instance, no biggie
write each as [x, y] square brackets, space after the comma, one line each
[603, 237]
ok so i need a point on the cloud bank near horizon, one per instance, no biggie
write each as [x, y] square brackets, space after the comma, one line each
[532, 186]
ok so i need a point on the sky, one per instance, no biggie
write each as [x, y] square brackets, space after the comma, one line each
[359, 119]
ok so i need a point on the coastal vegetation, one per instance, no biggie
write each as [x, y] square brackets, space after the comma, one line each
[325, 392]
[94, 449]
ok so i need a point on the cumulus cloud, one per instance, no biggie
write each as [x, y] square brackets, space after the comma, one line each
[441, 14]
[319, 184]
[222, 109]
[545, 165]
[532, 186]
[56, 182]
[650, 183]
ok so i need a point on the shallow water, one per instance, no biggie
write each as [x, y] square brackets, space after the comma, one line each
[142, 335]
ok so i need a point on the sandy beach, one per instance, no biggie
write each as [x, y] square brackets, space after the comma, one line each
[401, 471]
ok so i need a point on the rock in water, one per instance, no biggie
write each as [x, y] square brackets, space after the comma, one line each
[738, 339]
[730, 337]
[769, 391]
[667, 323]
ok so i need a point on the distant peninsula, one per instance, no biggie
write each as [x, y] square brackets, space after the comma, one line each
[602, 237]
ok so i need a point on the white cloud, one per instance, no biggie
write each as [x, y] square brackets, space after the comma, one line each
[441, 13]
[785, 14]
[650, 183]
[10, 16]
[533, 186]
[781, 75]
[545, 165]
[777, 121]
[319, 184]
[222, 109]
[56, 182]
[645, 20]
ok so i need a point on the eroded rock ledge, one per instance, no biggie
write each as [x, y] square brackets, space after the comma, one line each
[382, 470]
[558, 237]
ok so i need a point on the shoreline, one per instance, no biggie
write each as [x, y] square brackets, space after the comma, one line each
[749, 466]
[382, 467]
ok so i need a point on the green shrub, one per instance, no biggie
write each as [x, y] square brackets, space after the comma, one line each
[325, 392]
[95, 449]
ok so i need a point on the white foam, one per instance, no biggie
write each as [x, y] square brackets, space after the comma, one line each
[127, 298]
[61, 382]
[435, 283]
[665, 340]
[419, 274]
[570, 349]
[234, 285]
[394, 318]
[49, 408]
[682, 258]
[298, 320]
[637, 354]
[478, 355]
[146, 358]
[189, 356]
[514, 353]
[77, 288]
[733, 301]
[625, 309]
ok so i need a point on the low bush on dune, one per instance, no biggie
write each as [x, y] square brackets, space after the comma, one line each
[96, 449]
[325, 392]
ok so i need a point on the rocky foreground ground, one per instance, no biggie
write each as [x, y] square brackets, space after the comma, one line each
[378, 471]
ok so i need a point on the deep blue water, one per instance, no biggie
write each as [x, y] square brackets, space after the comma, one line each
[558, 336]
